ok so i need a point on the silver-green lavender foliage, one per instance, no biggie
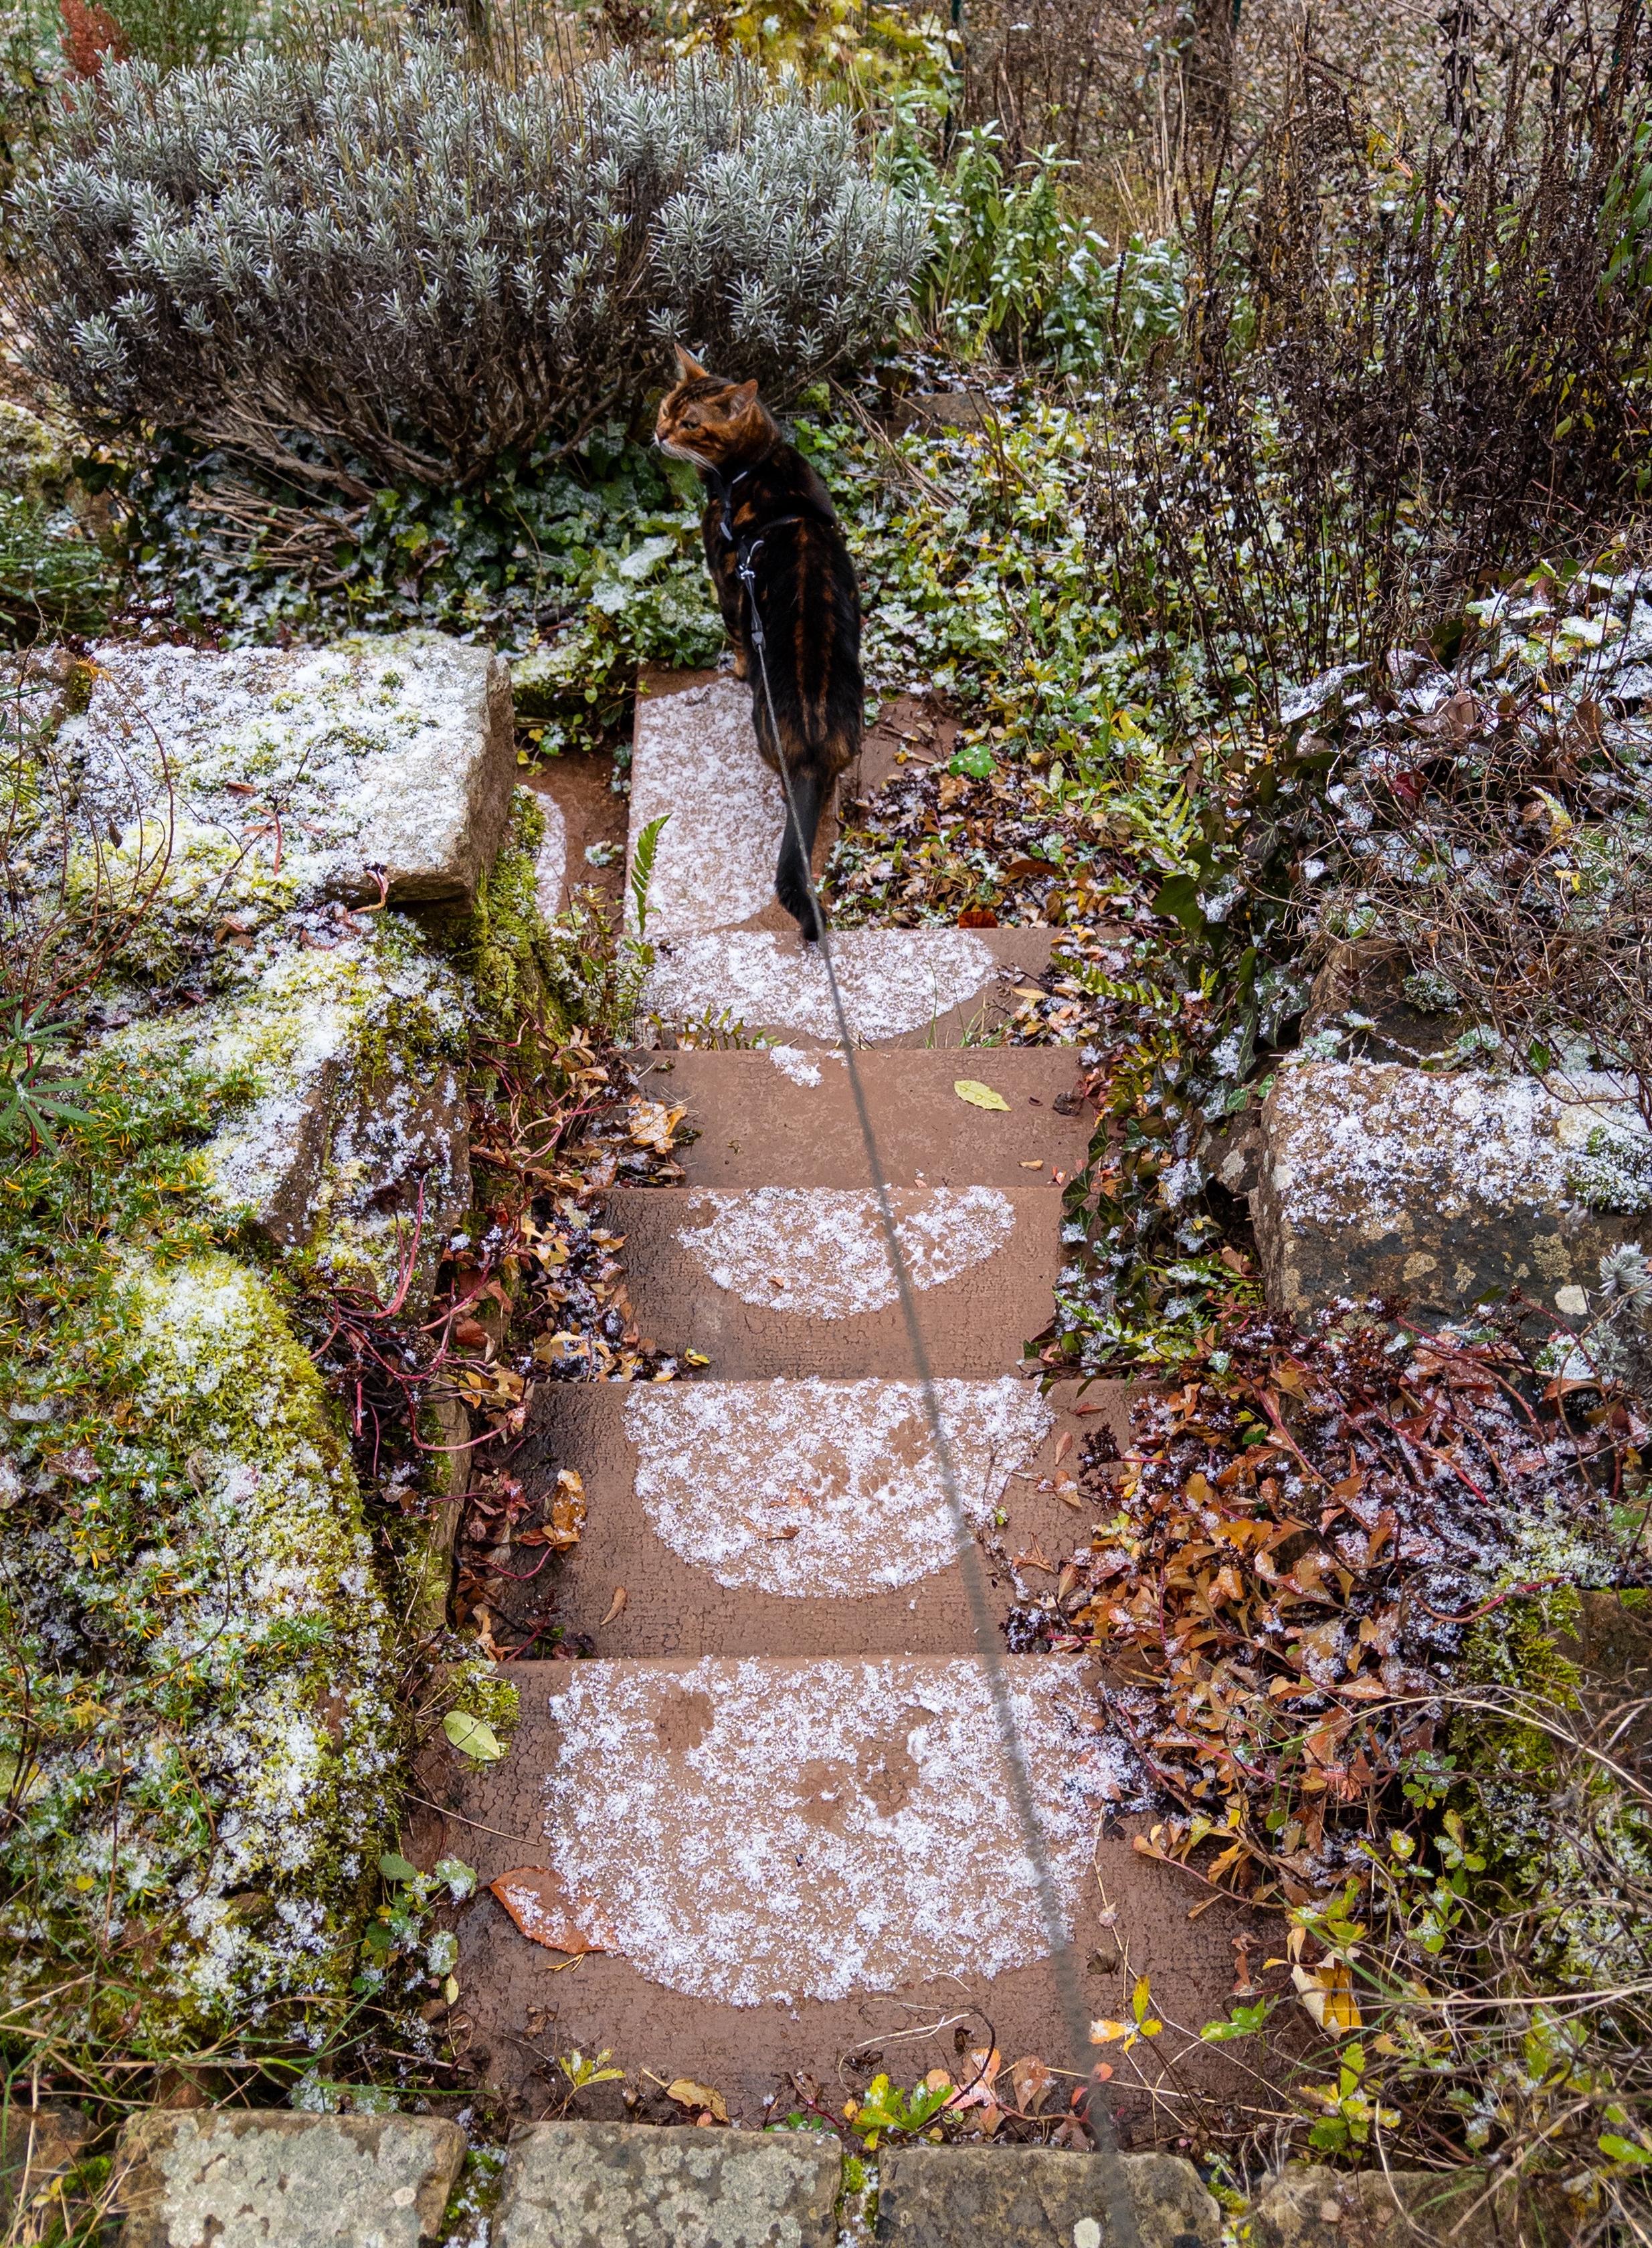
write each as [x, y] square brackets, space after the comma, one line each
[411, 267]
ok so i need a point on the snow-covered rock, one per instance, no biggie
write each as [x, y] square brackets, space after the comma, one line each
[378, 768]
[1377, 1179]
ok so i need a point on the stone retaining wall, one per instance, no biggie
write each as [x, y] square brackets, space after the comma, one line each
[238, 2178]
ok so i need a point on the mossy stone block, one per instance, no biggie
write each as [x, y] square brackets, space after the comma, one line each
[1036, 2197]
[628, 2185]
[352, 1134]
[243, 2180]
[1376, 1179]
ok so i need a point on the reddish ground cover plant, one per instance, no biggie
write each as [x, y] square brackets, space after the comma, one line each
[1307, 1532]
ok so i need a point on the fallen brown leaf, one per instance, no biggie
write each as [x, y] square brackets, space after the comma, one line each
[1032, 2079]
[705, 2097]
[537, 1901]
[616, 1604]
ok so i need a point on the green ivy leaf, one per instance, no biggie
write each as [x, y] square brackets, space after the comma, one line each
[1178, 898]
[471, 1738]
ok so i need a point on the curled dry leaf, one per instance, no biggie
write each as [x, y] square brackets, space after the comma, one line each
[616, 1604]
[651, 1124]
[983, 2068]
[1032, 2079]
[564, 1519]
[702, 2097]
[538, 1904]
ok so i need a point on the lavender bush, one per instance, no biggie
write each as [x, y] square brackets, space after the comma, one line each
[378, 266]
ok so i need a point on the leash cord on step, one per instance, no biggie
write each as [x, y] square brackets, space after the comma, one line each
[1098, 2121]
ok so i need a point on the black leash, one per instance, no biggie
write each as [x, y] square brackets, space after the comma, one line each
[1098, 2122]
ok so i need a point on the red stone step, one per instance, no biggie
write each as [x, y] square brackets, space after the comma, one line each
[785, 1116]
[900, 987]
[782, 1280]
[809, 1867]
[806, 1518]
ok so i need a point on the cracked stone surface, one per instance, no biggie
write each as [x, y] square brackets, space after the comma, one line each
[616, 2185]
[240, 2180]
[1378, 1179]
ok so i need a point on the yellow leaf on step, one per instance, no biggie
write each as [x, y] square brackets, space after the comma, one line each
[687, 2094]
[979, 1095]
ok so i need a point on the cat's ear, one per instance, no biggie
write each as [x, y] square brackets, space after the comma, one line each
[689, 367]
[742, 398]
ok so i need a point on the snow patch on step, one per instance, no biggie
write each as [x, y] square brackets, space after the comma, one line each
[755, 1832]
[794, 1062]
[550, 864]
[822, 1251]
[892, 981]
[695, 756]
[820, 1489]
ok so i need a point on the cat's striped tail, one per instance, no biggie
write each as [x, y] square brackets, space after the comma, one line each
[806, 790]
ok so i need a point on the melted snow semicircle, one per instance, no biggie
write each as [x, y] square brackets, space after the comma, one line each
[892, 981]
[822, 1251]
[815, 1489]
[754, 1833]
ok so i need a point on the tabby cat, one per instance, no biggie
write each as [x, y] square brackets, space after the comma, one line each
[766, 506]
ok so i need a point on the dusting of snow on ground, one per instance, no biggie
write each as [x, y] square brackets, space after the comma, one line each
[550, 864]
[695, 757]
[820, 1489]
[337, 761]
[755, 1831]
[893, 980]
[1376, 1143]
[822, 1250]
[794, 1062]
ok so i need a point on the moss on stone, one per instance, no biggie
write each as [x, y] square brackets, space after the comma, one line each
[345, 1074]
[286, 1615]
[505, 947]
[1523, 1644]
[478, 1689]
[197, 1688]
[36, 461]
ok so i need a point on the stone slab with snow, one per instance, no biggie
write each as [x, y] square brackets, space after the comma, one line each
[628, 2185]
[806, 1517]
[243, 2180]
[695, 764]
[348, 1133]
[939, 987]
[1036, 2197]
[790, 1860]
[376, 767]
[1379, 1179]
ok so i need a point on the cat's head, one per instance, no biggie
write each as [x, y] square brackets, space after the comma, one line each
[713, 423]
